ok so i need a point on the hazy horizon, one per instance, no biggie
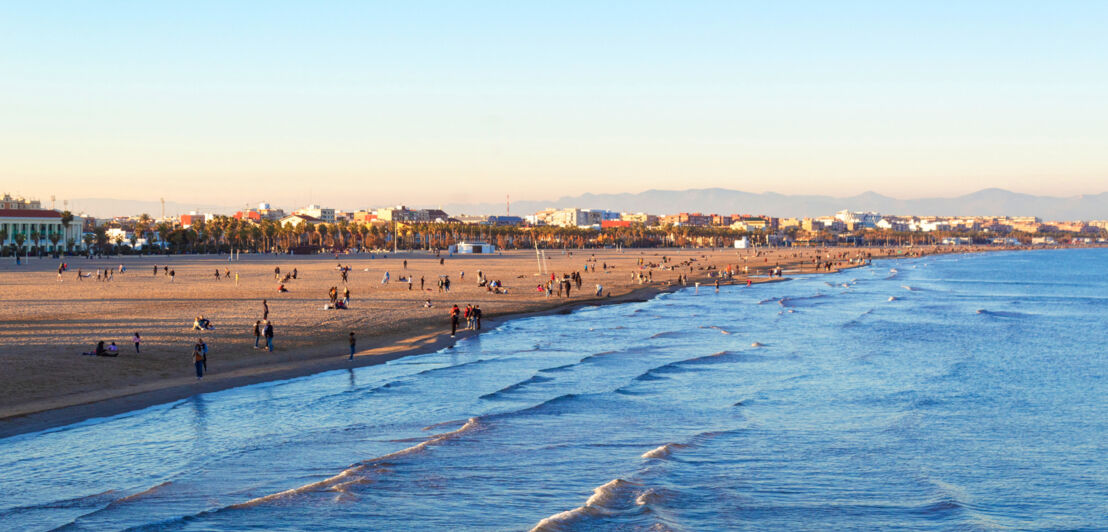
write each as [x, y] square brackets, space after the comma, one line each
[327, 102]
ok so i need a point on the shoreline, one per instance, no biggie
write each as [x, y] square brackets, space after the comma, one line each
[402, 346]
[37, 416]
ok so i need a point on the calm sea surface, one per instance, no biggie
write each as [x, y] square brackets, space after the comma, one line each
[955, 392]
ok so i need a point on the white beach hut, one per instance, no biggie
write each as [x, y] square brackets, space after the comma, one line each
[472, 248]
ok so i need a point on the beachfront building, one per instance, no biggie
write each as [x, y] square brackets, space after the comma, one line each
[687, 218]
[194, 218]
[892, 224]
[315, 211]
[467, 248]
[8, 202]
[296, 220]
[401, 213]
[26, 224]
[853, 220]
[640, 218]
[572, 217]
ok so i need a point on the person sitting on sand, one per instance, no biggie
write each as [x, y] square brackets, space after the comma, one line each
[99, 351]
[202, 324]
[113, 350]
[281, 288]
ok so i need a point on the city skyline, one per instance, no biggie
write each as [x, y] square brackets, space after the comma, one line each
[466, 104]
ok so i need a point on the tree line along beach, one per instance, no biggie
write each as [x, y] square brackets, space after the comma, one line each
[48, 319]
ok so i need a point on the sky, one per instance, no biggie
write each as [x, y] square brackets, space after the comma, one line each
[365, 103]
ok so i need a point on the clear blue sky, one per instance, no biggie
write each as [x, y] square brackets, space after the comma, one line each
[367, 103]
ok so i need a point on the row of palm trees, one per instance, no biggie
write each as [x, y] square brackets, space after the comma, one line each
[224, 233]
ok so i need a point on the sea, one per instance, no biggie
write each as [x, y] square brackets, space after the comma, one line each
[953, 392]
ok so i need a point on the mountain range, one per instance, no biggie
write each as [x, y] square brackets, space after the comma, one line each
[987, 202]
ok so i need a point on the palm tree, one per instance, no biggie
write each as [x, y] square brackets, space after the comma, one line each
[67, 219]
[20, 238]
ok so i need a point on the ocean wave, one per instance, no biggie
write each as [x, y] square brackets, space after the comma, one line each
[1002, 314]
[535, 379]
[612, 497]
[555, 369]
[720, 329]
[352, 474]
[670, 334]
[858, 320]
[84, 501]
[596, 355]
[802, 301]
[663, 451]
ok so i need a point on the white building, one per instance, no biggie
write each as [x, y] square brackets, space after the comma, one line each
[316, 211]
[44, 223]
[296, 219]
[854, 219]
[573, 217]
[472, 248]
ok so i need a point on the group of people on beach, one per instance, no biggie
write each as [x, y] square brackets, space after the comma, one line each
[112, 350]
[471, 315]
[337, 303]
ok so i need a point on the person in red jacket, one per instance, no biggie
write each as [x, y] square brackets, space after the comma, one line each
[454, 312]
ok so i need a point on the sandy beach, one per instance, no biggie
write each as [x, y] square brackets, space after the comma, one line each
[46, 322]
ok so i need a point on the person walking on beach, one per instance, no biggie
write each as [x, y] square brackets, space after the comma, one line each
[268, 332]
[203, 347]
[257, 333]
[477, 316]
[265, 310]
[454, 320]
[137, 340]
[352, 342]
[155, 270]
[172, 275]
[198, 361]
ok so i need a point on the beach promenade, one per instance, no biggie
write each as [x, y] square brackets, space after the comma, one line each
[47, 320]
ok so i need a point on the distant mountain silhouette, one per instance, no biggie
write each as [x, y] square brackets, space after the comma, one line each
[987, 202]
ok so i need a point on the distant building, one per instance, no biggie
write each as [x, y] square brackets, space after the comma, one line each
[466, 248]
[193, 218]
[648, 220]
[315, 211]
[8, 202]
[297, 219]
[26, 221]
[686, 218]
[573, 217]
[401, 213]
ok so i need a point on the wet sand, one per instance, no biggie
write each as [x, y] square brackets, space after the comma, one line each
[45, 323]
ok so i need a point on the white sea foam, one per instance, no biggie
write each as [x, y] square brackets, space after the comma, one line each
[347, 477]
[662, 452]
[596, 504]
